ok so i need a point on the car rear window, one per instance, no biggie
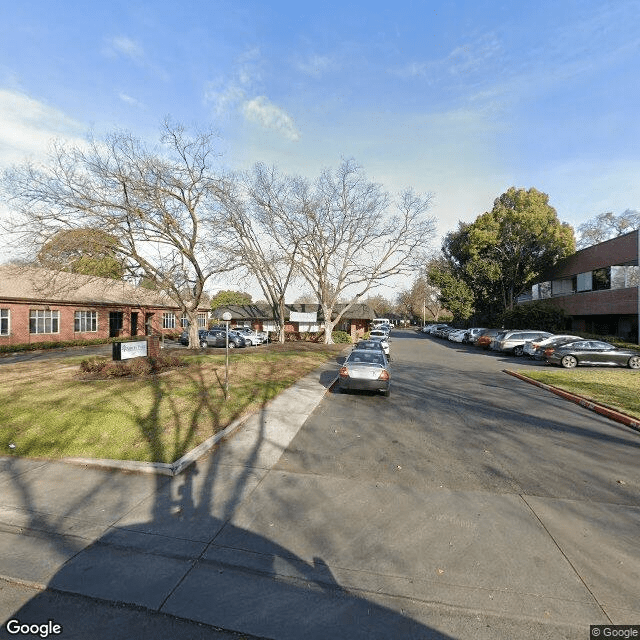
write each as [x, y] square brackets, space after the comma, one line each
[367, 357]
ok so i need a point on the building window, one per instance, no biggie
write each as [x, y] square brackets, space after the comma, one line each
[85, 322]
[602, 279]
[169, 320]
[184, 321]
[44, 321]
[202, 321]
[4, 322]
[584, 281]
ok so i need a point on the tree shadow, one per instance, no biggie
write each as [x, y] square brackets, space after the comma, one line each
[124, 555]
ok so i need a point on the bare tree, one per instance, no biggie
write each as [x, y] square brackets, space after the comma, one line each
[257, 211]
[352, 237]
[421, 300]
[162, 205]
[606, 226]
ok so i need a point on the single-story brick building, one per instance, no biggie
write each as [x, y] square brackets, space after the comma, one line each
[38, 305]
[302, 318]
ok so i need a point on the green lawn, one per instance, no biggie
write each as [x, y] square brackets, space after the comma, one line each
[48, 410]
[618, 388]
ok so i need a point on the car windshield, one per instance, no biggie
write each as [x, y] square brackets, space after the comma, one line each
[365, 357]
[370, 344]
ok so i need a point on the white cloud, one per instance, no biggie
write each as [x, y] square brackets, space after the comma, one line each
[224, 97]
[270, 116]
[316, 65]
[122, 46]
[130, 101]
[28, 126]
[127, 47]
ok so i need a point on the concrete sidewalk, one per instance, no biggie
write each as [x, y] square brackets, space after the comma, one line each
[235, 548]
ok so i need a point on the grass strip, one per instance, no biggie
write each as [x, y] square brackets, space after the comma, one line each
[47, 410]
[617, 388]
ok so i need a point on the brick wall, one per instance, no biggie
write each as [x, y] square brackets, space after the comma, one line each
[621, 250]
[19, 323]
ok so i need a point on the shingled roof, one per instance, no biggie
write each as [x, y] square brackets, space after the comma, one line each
[261, 311]
[30, 284]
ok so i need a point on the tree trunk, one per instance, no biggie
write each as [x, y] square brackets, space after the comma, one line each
[194, 339]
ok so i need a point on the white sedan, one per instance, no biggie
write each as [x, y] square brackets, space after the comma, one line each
[251, 337]
[457, 336]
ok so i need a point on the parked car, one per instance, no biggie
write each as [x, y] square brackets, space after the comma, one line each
[217, 338]
[484, 339]
[432, 328]
[494, 345]
[513, 341]
[535, 348]
[367, 370]
[250, 337]
[382, 338]
[592, 352]
[184, 336]
[369, 345]
[471, 335]
[457, 335]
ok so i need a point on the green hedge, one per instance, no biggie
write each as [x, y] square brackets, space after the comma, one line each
[36, 346]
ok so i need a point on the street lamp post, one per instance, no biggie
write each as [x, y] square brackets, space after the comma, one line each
[226, 316]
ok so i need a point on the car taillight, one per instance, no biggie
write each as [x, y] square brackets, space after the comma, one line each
[344, 372]
[384, 375]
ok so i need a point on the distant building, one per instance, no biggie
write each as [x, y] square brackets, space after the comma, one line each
[299, 318]
[598, 288]
[38, 305]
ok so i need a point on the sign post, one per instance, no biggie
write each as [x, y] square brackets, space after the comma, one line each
[226, 316]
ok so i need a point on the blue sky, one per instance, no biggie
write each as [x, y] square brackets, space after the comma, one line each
[461, 99]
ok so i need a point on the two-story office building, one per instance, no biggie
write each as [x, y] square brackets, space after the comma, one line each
[598, 287]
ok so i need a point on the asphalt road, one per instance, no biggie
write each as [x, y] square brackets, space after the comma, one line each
[500, 497]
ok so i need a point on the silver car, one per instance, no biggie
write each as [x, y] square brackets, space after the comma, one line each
[513, 341]
[365, 370]
[382, 337]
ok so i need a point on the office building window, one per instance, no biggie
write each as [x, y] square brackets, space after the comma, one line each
[5, 327]
[44, 321]
[85, 322]
[169, 320]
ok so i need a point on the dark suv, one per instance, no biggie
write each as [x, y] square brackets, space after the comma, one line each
[184, 336]
[217, 338]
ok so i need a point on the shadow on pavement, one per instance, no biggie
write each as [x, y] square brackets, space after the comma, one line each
[134, 556]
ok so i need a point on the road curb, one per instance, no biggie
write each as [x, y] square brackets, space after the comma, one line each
[603, 410]
[177, 467]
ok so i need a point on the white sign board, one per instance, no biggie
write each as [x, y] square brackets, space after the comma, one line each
[133, 349]
[296, 316]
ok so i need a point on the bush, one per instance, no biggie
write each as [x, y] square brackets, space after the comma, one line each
[94, 365]
[102, 367]
[341, 337]
[36, 346]
[535, 315]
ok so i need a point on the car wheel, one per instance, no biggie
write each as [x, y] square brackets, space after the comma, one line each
[569, 362]
[203, 344]
[518, 352]
[232, 345]
[634, 362]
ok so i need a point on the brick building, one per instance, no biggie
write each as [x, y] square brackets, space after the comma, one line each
[38, 305]
[598, 287]
[299, 318]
